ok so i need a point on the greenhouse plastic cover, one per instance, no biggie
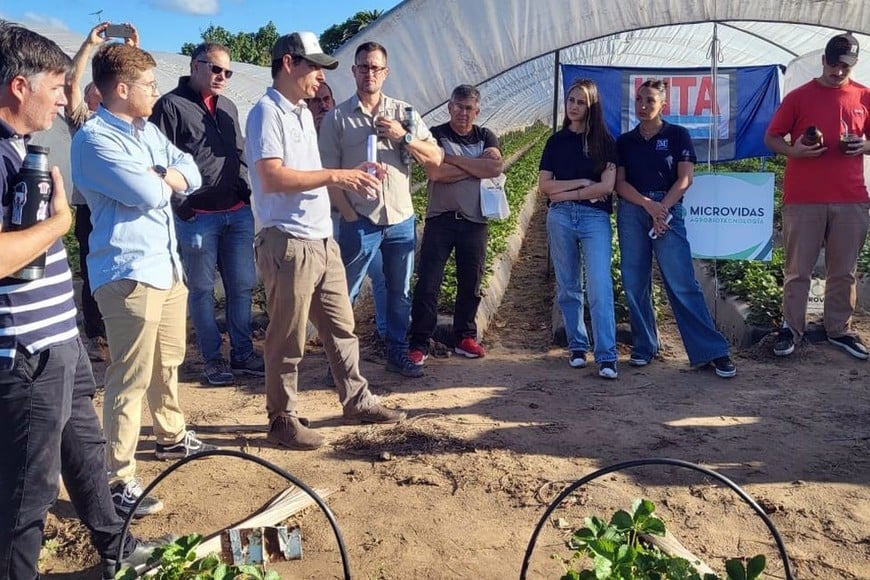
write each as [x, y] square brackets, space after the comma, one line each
[507, 48]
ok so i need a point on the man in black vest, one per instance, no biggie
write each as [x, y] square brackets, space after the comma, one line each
[215, 225]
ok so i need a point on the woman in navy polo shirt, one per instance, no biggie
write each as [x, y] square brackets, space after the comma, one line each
[656, 163]
[578, 173]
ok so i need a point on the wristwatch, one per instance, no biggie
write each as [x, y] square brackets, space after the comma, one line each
[408, 137]
[160, 170]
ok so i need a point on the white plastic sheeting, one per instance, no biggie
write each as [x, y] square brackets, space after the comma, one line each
[506, 47]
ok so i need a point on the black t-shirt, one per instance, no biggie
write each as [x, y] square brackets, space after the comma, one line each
[652, 165]
[564, 157]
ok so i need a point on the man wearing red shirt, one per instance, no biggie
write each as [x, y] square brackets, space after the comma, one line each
[825, 199]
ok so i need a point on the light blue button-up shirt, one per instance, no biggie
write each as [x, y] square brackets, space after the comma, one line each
[134, 230]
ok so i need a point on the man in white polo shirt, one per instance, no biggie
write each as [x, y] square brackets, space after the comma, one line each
[297, 258]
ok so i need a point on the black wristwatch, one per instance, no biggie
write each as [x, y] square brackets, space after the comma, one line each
[161, 171]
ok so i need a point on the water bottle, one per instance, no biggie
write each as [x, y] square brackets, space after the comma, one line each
[410, 125]
[31, 193]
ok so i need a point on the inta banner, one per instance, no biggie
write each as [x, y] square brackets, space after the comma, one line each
[745, 100]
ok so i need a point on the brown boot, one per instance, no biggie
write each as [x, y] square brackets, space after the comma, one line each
[375, 414]
[290, 432]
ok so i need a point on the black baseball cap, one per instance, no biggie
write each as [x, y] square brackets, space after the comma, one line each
[842, 48]
[305, 45]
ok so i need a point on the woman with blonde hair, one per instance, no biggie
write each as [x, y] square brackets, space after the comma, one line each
[578, 174]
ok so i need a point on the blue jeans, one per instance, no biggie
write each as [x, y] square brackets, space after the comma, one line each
[379, 292]
[48, 428]
[376, 275]
[702, 341]
[224, 240]
[580, 239]
[360, 241]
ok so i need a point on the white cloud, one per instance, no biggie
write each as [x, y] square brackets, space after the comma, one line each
[197, 7]
[43, 20]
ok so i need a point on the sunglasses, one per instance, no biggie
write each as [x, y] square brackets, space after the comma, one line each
[215, 69]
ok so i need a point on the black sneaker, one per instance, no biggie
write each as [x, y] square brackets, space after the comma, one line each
[217, 373]
[254, 365]
[784, 344]
[724, 367]
[124, 495]
[852, 345]
[638, 361]
[607, 370]
[404, 367]
[577, 359]
[189, 445]
[135, 559]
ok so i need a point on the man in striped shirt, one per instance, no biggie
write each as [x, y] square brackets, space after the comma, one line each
[48, 426]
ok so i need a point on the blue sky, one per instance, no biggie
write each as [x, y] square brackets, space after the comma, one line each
[165, 25]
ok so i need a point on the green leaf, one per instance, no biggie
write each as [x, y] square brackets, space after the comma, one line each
[622, 520]
[734, 568]
[603, 568]
[642, 508]
[652, 526]
[126, 574]
[755, 567]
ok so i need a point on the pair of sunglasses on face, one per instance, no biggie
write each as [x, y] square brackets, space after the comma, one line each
[215, 69]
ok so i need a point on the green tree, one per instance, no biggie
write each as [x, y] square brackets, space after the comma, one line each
[250, 47]
[337, 34]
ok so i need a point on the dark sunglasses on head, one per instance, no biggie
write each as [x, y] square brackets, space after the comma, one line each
[215, 69]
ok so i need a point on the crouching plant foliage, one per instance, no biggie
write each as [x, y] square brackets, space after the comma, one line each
[178, 561]
[617, 552]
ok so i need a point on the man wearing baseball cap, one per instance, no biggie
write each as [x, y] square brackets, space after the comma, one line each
[298, 259]
[825, 201]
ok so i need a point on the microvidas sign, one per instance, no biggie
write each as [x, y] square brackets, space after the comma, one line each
[729, 216]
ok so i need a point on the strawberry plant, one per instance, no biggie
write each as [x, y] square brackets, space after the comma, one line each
[178, 561]
[617, 552]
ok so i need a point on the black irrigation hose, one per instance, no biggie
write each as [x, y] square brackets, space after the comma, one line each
[345, 563]
[657, 461]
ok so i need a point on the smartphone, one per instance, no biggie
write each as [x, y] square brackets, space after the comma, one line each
[118, 31]
[652, 231]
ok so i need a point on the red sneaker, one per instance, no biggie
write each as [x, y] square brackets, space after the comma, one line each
[469, 348]
[417, 356]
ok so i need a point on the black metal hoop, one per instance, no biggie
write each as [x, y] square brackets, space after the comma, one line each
[345, 563]
[657, 461]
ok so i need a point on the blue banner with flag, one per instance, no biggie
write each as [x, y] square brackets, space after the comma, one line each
[745, 99]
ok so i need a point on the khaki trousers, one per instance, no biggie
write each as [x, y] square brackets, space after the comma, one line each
[842, 228]
[305, 278]
[146, 332]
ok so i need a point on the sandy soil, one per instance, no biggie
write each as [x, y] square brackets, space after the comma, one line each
[456, 491]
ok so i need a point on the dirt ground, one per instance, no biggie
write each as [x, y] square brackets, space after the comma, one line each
[456, 490]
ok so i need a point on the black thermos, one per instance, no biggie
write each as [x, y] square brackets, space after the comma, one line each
[31, 196]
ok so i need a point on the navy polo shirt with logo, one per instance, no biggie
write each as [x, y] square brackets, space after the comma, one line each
[564, 157]
[651, 165]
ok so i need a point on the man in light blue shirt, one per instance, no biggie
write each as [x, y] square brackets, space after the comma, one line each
[128, 172]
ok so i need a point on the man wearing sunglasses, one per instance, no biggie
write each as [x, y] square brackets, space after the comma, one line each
[215, 224]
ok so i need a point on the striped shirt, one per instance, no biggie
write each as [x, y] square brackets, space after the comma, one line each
[35, 314]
